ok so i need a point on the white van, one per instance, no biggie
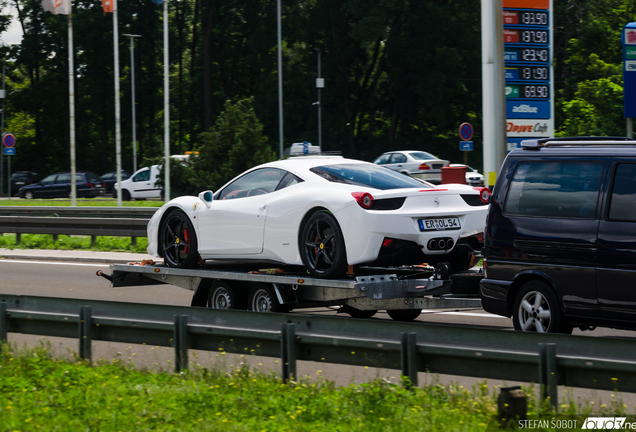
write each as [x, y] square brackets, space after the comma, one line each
[141, 185]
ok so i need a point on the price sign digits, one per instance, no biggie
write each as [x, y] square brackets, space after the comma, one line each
[534, 18]
[535, 91]
[534, 73]
[534, 36]
[535, 54]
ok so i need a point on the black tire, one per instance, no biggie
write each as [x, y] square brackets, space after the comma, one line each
[322, 247]
[404, 314]
[536, 309]
[178, 241]
[125, 195]
[114, 193]
[224, 295]
[357, 313]
[263, 299]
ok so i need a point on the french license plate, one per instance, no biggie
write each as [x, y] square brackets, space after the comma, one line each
[439, 224]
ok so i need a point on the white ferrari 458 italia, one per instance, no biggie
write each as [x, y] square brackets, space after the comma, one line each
[328, 214]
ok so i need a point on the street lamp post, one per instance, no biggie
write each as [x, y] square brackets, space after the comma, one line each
[320, 83]
[132, 83]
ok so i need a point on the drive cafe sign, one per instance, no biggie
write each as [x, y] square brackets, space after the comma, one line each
[522, 128]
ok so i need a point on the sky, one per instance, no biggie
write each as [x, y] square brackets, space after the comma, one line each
[14, 34]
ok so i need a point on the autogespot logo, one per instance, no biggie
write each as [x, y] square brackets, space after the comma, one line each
[607, 423]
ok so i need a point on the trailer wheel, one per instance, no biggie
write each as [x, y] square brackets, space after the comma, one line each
[179, 241]
[404, 314]
[263, 299]
[224, 295]
[357, 313]
[322, 247]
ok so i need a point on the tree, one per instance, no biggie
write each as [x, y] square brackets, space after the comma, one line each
[234, 144]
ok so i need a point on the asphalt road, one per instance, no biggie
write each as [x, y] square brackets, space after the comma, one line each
[78, 280]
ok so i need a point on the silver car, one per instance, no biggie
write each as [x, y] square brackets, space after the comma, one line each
[473, 177]
[416, 163]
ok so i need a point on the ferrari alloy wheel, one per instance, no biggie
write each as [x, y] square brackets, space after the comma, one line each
[263, 299]
[179, 241]
[322, 247]
[536, 309]
[224, 295]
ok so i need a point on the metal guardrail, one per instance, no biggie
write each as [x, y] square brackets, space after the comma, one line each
[99, 221]
[90, 212]
[587, 362]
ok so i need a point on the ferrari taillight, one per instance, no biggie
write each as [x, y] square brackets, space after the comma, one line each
[364, 199]
[484, 194]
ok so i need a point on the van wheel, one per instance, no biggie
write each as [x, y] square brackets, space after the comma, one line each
[125, 195]
[536, 309]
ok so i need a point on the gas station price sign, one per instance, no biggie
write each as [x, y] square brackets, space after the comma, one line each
[525, 17]
[528, 27]
[516, 91]
[528, 73]
[526, 36]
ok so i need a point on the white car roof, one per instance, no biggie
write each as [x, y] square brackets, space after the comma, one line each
[302, 165]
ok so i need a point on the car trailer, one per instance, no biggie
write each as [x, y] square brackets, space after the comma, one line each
[402, 291]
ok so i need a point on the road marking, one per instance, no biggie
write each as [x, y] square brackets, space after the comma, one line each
[52, 262]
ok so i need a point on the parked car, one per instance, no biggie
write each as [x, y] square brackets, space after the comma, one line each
[560, 241]
[141, 185]
[22, 178]
[109, 179]
[416, 163]
[473, 177]
[87, 184]
[323, 213]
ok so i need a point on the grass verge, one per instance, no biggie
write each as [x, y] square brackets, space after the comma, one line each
[64, 242]
[40, 391]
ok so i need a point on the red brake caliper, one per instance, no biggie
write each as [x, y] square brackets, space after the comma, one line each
[186, 236]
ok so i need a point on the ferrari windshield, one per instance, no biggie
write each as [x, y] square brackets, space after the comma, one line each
[373, 176]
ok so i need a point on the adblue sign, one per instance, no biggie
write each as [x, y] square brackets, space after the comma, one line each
[528, 109]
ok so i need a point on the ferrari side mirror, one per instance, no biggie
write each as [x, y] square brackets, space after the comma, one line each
[207, 197]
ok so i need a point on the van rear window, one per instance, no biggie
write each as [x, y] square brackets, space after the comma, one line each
[560, 189]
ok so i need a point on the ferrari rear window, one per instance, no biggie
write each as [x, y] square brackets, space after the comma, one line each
[373, 176]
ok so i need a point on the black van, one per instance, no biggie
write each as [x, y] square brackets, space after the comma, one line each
[560, 237]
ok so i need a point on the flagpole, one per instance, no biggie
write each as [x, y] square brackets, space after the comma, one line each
[71, 96]
[117, 107]
[166, 108]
